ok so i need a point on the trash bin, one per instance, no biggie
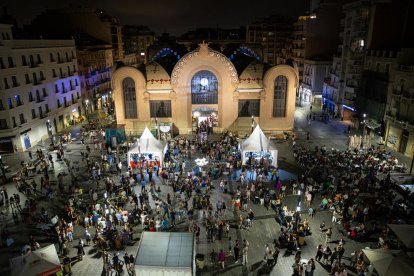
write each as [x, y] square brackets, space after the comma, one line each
[200, 261]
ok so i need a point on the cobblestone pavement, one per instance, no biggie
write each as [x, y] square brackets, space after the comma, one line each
[265, 228]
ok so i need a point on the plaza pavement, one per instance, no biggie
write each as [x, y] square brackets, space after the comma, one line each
[265, 228]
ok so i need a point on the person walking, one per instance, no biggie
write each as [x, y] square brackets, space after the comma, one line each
[221, 257]
[328, 235]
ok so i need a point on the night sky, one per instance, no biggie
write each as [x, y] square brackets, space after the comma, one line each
[173, 16]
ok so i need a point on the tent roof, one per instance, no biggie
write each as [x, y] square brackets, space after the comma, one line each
[36, 262]
[404, 232]
[389, 262]
[166, 249]
[258, 141]
[148, 143]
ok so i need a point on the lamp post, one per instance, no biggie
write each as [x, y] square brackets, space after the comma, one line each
[252, 123]
[87, 109]
[3, 171]
[156, 127]
[412, 160]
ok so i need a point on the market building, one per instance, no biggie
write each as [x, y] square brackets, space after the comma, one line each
[233, 92]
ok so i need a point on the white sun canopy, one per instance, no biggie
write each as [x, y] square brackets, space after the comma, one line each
[43, 261]
[148, 145]
[259, 146]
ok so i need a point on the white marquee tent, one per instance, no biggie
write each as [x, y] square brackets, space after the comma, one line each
[147, 146]
[260, 146]
[43, 261]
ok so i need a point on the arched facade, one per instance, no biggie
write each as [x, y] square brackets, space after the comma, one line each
[206, 81]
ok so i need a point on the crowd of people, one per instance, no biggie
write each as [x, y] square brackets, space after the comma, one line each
[116, 201]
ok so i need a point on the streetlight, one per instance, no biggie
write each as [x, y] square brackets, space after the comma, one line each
[252, 123]
[156, 127]
[412, 161]
[3, 171]
[86, 109]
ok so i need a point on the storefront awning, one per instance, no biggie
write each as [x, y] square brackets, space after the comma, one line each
[372, 124]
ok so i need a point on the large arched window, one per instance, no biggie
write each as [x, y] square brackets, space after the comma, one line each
[279, 97]
[204, 87]
[130, 101]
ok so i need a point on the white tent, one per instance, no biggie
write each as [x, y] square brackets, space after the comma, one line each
[258, 144]
[405, 233]
[147, 146]
[389, 262]
[43, 261]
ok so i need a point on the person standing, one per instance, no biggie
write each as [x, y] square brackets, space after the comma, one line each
[236, 250]
[222, 257]
[127, 261]
[319, 253]
[245, 249]
[230, 244]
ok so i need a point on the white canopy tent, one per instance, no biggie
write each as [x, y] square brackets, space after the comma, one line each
[148, 147]
[43, 261]
[389, 262]
[259, 146]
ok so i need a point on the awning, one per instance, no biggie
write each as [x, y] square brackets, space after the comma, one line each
[372, 124]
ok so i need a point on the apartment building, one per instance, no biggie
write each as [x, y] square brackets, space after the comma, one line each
[272, 33]
[75, 22]
[366, 25]
[314, 40]
[136, 40]
[399, 111]
[39, 89]
[95, 63]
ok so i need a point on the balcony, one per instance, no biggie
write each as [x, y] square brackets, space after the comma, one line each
[34, 64]
[15, 84]
[348, 102]
[39, 100]
[19, 104]
[204, 98]
[42, 115]
[405, 68]
[62, 75]
[400, 121]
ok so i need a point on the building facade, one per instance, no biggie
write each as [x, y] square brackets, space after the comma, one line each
[314, 39]
[205, 83]
[76, 22]
[315, 73]
[399, 117]
[272, 33]
[366, 26]
[136, 40]
[95, 65]
[39, 89]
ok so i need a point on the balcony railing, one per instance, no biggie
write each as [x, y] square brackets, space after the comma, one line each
[204, 98]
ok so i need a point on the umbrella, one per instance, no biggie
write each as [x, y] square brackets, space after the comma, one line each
[389, 262]
[405, 233]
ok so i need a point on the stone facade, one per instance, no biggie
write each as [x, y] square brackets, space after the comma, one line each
[252, 84]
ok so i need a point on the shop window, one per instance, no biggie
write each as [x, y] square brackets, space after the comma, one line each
[248, 108]
[130, 102]
[279, 97]
[160, 109]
